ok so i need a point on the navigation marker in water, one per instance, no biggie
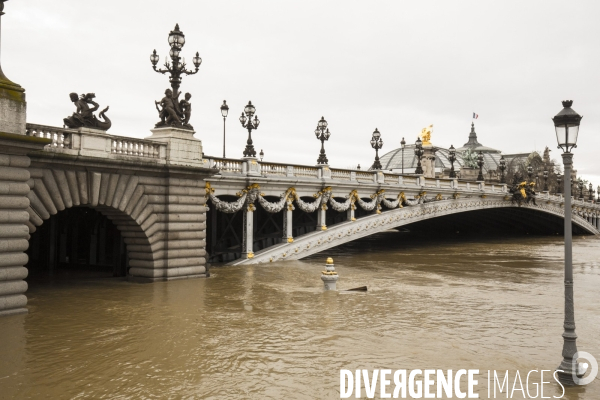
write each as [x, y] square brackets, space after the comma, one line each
[329, 276]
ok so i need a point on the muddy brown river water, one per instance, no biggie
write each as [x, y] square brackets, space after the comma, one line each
[271, 332]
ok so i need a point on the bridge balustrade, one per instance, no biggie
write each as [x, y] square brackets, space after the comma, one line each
[95, 143]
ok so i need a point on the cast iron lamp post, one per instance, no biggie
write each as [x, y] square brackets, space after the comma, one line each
[248, 123]
[322, 134]
[502, 168]
[581, 186]
[530, 173]
[598, 192]
[175, 68]
[402, 146]
[566, 124]
[591, 194]
[558, 181]
[224, 111]
[419, 153]
[545, 180]
[452, 158]
[480, 163]
[261, 154]
[376, 143]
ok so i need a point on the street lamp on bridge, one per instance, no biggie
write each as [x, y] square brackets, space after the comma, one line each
[248, 123]
[545, 180]
[402, 146]
[581, 185]
[558, 181]
[591, 194]
[530, 173]
[480, 164]
[175, 68]
[452, 158]
[566, 124]
[322, 134]
[419, 153]
[376, 143]
[502, 168]
[224, 112]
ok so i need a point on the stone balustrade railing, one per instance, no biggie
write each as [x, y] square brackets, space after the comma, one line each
[95, 143]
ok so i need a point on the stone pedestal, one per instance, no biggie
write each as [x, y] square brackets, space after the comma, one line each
[182, 147]
[428, 161]
[12, 106]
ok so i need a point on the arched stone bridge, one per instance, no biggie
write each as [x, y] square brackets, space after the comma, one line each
[391, 201]
[155, 192]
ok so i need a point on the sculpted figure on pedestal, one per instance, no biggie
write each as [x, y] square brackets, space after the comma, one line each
[174, 113]
[84, 115]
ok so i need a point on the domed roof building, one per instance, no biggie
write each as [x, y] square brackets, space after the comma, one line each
[404, 160]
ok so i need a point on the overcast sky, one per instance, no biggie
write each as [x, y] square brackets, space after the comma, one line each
[395, 65]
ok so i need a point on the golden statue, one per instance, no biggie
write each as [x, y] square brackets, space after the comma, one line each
[426, 135]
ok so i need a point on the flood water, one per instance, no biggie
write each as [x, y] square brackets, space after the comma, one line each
[271, 332]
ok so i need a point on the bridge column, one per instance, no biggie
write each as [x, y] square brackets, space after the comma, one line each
[247, 251]
[321, 218]
[287, 223]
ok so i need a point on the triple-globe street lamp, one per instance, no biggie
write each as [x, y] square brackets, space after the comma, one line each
[502, 168]
[376, 143]
[452, 158]
[250, 124]
[322, 134]
[480, 164]
[175, 68]
[419, 153]
[566, 124]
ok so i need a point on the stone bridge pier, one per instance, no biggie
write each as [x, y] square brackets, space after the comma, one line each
[151, 189]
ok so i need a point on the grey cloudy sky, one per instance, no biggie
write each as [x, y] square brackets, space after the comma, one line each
[395, 65]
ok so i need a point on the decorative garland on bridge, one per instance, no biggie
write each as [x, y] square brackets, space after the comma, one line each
[249, 195]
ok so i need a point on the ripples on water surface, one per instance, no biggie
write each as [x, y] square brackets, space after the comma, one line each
[271, 332]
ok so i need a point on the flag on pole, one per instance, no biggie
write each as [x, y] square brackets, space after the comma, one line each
[475, 116]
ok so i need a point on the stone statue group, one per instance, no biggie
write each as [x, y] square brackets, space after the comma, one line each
[174, 113]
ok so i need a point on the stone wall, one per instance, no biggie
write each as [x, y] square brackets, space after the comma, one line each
[14, 234]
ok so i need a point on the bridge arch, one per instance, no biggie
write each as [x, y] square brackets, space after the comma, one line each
[348, 231]
[159, 222]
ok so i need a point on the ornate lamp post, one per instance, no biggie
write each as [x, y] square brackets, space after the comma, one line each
[224, 111]
[580, 185]
[419, 153]
[176, 69]
[566, 124]
[452, 158]
[261, 154]
[598, 192]
[502, 168]
[591, 192]
[545, 180]
[376, 143]
[402, 146]
[248, 123]
[322, 134]
[480, 163]
[530, 172]
[558, 181]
